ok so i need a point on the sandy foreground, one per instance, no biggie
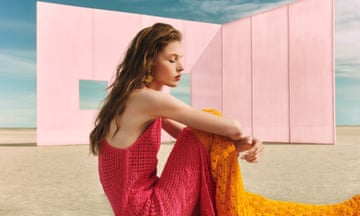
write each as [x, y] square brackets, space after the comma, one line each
[63, 180]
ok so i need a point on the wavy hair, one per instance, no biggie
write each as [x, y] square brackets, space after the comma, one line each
[130, 75]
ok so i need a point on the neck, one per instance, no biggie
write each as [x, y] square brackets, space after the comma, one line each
[155, 87]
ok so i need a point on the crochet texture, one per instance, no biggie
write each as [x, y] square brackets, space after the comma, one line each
[201, 177]
[232, 199]
[129, 179]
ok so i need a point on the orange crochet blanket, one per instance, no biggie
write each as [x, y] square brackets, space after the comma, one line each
[232, 199]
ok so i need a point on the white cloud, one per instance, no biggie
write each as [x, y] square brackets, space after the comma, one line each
[227, 11]
[17, 103]
[347, 70]
[17, 62]
[26, 100]
[347, 22]
[245, 9]
[347, 34]
[345, 10]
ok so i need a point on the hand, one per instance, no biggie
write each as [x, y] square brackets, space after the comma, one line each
[252, 146]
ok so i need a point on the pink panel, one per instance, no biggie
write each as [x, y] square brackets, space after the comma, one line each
[111, 41]
[197, 36]
[63, 51]
[270, 76]
[78, 43]
[237, 85]
[71, 37]
[206, 77]
[311, 71]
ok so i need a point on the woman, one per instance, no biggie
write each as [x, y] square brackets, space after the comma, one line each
[126, 138]
[134, 106]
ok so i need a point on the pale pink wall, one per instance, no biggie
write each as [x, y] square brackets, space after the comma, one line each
[108, 41]
[237, 73]
[76, 43]
[270, 75]
[206, 77]
[197, 37]
[62, 59]
[264, 70]
[288, 86]
[312, 71]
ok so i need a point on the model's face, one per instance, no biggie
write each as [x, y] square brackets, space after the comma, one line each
[168, 66]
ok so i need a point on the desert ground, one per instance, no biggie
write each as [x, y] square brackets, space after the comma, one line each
[63, 180]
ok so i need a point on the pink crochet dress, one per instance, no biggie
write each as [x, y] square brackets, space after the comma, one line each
[186, 186]
[129, 177]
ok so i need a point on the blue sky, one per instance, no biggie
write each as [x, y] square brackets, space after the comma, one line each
[347, 62]
[17, 64]
[18, 47]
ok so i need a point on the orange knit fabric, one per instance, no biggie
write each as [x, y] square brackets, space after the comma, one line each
[231, 198]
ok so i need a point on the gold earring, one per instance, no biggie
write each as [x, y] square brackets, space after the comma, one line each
[148, 78]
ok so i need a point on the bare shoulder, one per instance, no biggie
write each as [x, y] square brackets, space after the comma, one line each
[149, 95]
[156, 101]
[154, 104]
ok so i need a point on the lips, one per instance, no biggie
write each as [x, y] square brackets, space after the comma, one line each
[178, 77]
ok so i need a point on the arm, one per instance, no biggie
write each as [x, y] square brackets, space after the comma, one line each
[160, 104]
[172, 127]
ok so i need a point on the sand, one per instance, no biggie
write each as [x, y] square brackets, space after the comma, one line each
[63, 180]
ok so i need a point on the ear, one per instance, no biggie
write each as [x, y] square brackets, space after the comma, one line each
[152, 67]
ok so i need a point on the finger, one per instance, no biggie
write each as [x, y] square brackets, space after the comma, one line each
[251, 159]
[243, 146]
[252, 156]
[257, 142]
[258, 145]
[257, 153]
[256, 150]
[250, 140]
[254, 159]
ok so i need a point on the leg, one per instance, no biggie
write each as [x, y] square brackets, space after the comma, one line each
[186, 179]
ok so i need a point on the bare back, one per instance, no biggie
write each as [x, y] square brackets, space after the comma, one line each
[132, 122]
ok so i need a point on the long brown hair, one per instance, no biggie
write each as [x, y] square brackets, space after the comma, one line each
[130, 75]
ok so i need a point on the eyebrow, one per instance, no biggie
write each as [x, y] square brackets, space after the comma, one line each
[176, 55]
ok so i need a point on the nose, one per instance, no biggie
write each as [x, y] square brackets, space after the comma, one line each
[179, 66]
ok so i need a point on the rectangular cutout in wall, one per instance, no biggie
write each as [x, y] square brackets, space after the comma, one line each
[182, 91]
[91, 94]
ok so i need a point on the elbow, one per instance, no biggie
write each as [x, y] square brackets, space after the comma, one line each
[235, 132]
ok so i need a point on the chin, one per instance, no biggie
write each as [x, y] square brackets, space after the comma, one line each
[172, 85]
